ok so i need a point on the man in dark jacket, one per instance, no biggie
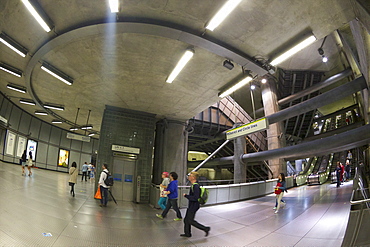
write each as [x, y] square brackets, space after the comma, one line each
[193, 207]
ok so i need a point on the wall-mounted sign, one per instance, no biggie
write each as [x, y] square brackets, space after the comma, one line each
[78, 137]
[63, 157]
[10, 143]
[21, 145]
[124, 149]
[246, 129]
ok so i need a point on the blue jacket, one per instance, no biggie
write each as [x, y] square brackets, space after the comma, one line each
[172, 188]
[283, 188]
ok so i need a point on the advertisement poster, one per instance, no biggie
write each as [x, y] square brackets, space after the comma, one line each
[31, 146]
[22, 142]
[10, 143]
[63, 157]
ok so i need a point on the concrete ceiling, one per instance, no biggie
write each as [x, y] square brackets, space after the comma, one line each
[124, 59]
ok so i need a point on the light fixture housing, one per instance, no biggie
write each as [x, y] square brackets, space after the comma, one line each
[56, 121]
[180, 65]
[12, 44]
[10, 70]
[264, 80]
[300, 46]
[237, 86]
[54, 107]
[91, 134]
[42, 113]
[38, 13]
[114, 6]
[73, 128]
[220, 16]
[57, 73]
[228, 64]
[87, 127]
[324, 59]
[17, 88]
[27, 102]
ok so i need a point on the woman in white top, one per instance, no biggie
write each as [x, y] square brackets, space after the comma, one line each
[29, 163]
[73, 178]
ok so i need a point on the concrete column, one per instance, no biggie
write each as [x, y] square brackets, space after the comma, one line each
[171, 149]
[240, 168]
[274, 133]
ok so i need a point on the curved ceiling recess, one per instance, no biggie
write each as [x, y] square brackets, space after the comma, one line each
[139, 28]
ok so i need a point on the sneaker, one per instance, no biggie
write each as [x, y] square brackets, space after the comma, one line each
[273, 208]
[185, 235]
[277, 211]
[207, 231]
[159, 216]
[178, 219]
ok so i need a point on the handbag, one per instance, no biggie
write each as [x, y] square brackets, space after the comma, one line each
[98, 194]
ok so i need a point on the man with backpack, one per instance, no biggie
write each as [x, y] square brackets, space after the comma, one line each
[103, 186]
[193, 207]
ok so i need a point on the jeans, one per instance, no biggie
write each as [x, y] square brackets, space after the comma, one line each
[172, 203]
[279, 198]
[104, 195]
[84, 174]
[162, 202]
[190, 221]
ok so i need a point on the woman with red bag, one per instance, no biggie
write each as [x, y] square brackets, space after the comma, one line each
[279, 191]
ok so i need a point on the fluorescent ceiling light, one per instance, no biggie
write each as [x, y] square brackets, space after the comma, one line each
[293, 50]
[27, 102]
[11, 70]
[42, 113]
[180, 65]
[17, 88]
[6, 40]
[56, 73]
[91, 134]
[59, 108]
[55, 121]
[86, 127]
[222, 14]
[73, 128]
[37, 16]
[114, 4]
[236, 87]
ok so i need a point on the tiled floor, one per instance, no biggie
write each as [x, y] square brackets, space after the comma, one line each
[39, 211]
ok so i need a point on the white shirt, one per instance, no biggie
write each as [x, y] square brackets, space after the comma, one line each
[103, 176]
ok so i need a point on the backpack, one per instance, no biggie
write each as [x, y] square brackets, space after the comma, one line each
[109, 179]
[203, 197]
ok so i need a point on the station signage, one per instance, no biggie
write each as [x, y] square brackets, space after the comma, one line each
[78, 137]
[247, 129]
[125, 149]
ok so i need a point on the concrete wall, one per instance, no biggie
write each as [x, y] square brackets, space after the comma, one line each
[49, 139]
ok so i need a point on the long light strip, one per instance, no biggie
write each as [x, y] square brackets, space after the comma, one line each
[12, 45]
[293, 50]
[180, 65]
[72, 129]
[59, 108]
[56, 121]
[236, 87]
[54, 73]
[16, 88]
[10, 70]
[87, 127]
[42, 113]
[27, 102]
[114, 5]
[36, 15]
[91, 134]
[220, 16]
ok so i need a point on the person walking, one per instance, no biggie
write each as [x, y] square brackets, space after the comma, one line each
[89, 166]
[193, 207]
[172, 196]
[103, 187]
[84, 171]
[73, 172]
[29, 163]
[162, 189]
[338, 171]
[23, 161]
[279, 191]
[347, 168]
